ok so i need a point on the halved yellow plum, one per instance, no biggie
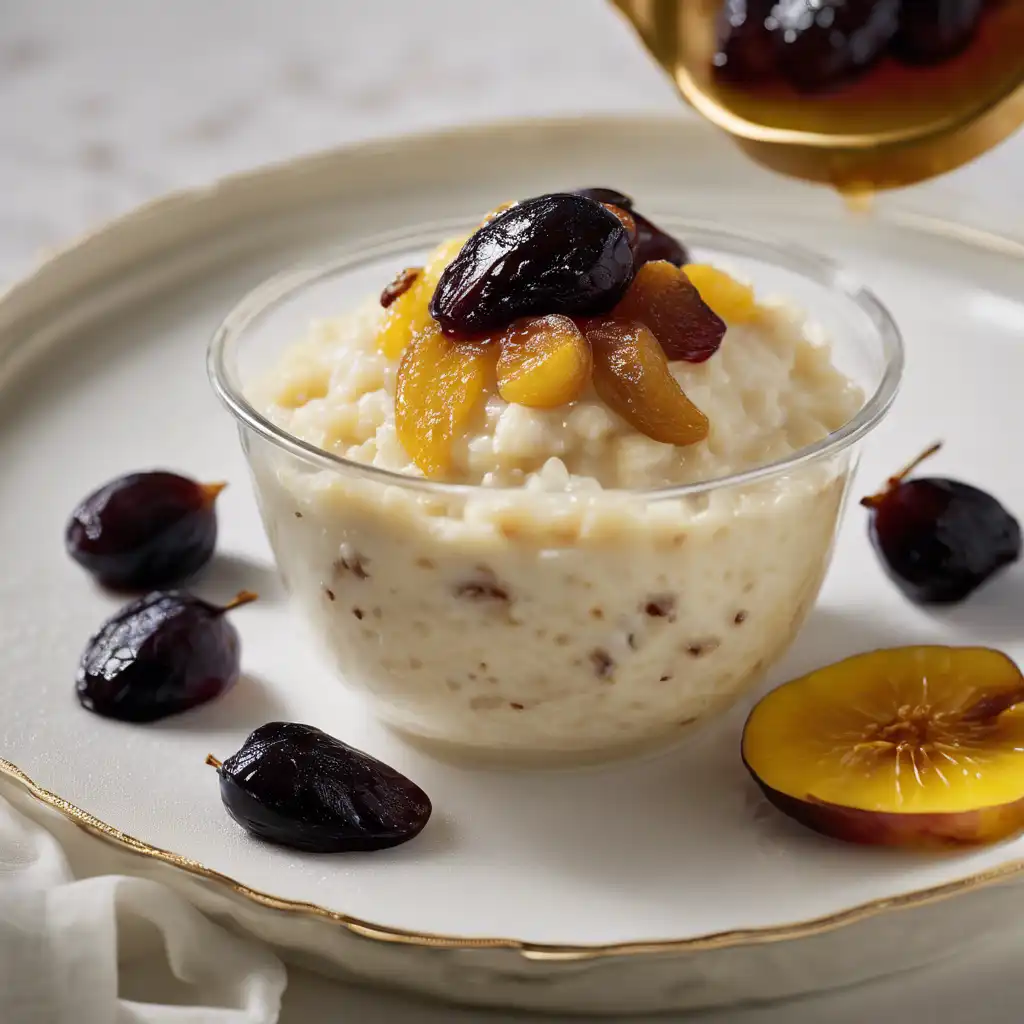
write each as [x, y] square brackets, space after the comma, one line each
[439, 384]
[908, 746]
[545, 362]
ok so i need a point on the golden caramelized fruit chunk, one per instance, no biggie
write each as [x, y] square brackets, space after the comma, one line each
[910, 746]
[664, 299]
[439, 384]
[545, 362]
[632, 377]
[732, 300]
[407, 314]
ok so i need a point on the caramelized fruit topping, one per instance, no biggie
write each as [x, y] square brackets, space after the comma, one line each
[409, 314]
[939, 539]
[557, 253]
[545, 362]
[664, 299]
[294, 785]
[632, 376]
[732, 300]
[144, 530]
[160, 655]
[440, 383]
[651, 243]
[912, 746]
[401, 283]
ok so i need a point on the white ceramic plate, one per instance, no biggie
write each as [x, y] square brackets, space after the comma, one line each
[102, 370]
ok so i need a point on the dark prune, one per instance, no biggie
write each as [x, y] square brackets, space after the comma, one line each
[144, 530]
[651, 243]
[294, 785]
[747, 50]
[823, 43]
[940, 539]
[557, 253]
[159, 655]
[934, 30]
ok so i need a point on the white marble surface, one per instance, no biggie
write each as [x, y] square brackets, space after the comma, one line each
[106, 103]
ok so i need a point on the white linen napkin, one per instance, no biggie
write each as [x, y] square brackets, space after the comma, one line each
[65, 942]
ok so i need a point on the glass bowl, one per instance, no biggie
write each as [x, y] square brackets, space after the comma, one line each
[536, 626]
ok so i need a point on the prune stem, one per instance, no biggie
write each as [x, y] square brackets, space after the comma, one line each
[213, 762]
[874, 500]
[242, 597]
[210, 491]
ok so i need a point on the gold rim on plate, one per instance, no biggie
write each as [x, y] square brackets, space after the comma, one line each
[528, 950]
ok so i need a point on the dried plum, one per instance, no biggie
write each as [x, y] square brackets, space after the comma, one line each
[823, 43]
[159, 655]
[651, 243]
[747, 49]
[940, 539]
[556, 253]
[934, 30]
[144, 530]
[296, 786]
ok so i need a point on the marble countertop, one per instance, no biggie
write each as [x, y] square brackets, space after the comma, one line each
[107, 103]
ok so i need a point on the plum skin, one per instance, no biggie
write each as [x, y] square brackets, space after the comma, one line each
[887, 828]
[143, 531]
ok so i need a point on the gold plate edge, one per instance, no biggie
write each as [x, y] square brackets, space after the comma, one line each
[528, 950]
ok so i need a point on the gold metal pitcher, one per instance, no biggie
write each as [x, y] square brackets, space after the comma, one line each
[895, 128]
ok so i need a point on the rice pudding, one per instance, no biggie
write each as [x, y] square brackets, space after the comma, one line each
[539, 589]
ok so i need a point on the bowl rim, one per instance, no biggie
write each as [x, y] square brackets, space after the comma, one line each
[790, 256]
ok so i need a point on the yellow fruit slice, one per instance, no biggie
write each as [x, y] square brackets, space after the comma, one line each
[409, 313]
[910, 746]
[632, 377]
[732, 300]
[439, 385]
[545, 362]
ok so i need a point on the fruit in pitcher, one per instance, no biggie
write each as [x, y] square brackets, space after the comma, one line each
[557, 253]
[665, 300]
[144, 530]
[296, 786]
[160, 655]
[911, 746]
[823, 43]
[937, 538]
[545, 362]
[934, 30]
[746, 50]
[440, 382]
[632, 377]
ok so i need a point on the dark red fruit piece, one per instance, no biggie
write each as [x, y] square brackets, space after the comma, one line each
[823, 43]
[746, 47]
[144, 530]
[159, 655]
[934, 30]
[940, 539]
[294, 785]
[557, 253]
[651, 243]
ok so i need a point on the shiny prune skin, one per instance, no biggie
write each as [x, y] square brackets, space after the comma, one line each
[556, 253]
[825, 43]
[935, 30]
[939, 539]
[144, 530]
[159, 655]
[746, 50]
[296, 786]
[651, 243]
